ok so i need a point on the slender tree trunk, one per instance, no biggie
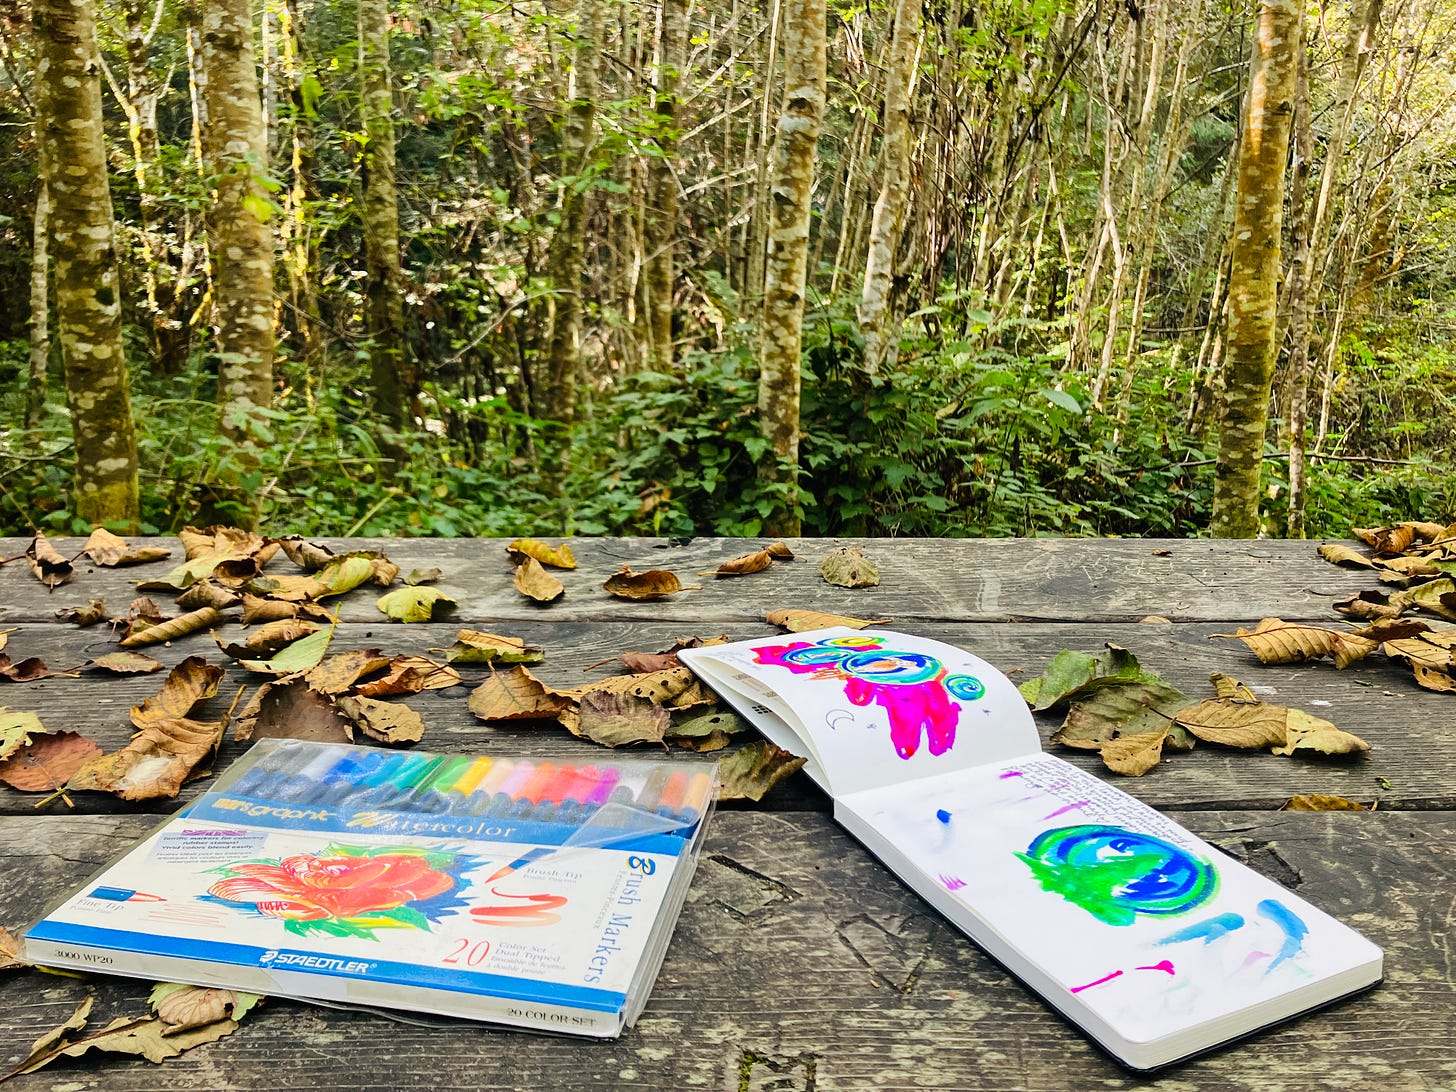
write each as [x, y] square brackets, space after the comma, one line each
[40, 308]
[756, 227]
[384, 278]
[241, 240]
[1254, 269]
[83, 247]
[787, 264]
[1308, 278]
[567, 256]
[880, 344]
[662, 228]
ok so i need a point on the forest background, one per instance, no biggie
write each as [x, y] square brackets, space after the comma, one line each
[460, 267]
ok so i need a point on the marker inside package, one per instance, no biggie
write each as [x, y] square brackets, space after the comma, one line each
[527, 891]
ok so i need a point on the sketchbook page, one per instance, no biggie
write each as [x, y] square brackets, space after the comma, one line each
[875, 707]
[1128, 923]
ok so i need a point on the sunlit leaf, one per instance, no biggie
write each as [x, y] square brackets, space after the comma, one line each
[107, 549]
[16, 727]
[192, 622]
[300, 655]
[617, 719]
[558, 557]
[385, 721]
[472, 647]
[536, 583]
[741, 566]
[1275, 641]
[1322, 802]
[48, 761]
[1134, 755]
[515, 694]
[801, 621]
[49, 567]
[416, 604]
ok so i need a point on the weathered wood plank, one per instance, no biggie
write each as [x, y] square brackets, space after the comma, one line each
[801, 964]
[1411, 764]
[1186, 580]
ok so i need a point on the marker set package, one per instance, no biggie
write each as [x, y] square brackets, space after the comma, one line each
[526, 892]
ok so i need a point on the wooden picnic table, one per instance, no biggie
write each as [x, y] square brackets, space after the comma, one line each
[799, 962]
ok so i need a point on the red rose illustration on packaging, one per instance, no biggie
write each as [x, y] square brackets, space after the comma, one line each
[305, 887]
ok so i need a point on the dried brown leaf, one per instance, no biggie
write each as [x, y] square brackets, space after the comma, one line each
[755, 562]
[49, 567]
[16, 727]
[1386, 540]
[153, 1039]
[1368, 606]
[10, 951]
[755, 768]
[515, 694]
[48, 761]
[181, 1007]
[338, 674]
[558, 557]
[536, 583]
[422, 576]
[109, 550]
[386, 721]
[641, 663]
[89, 615]
[653, 584]
[847, 567]
[291, 709]
[415, 604]
[128, 663]
[1322, 802]
[268, 639]
[410, 675]
[192, 622]
[1236, 723]
[30, 669]
[1337, 553]
[1275, 641]
[1134, 755]
[1309, 733]
[779, 552]
[617, 719]
[801, 621]
[308, 556]
[208, 593]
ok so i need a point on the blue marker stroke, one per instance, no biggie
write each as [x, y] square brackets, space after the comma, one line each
[1293, 926]
[1207, 931]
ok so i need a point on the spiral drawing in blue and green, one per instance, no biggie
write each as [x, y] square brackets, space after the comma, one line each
[1116, 874]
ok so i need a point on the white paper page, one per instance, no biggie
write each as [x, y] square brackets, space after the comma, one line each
[875, 707]
[1134, 917]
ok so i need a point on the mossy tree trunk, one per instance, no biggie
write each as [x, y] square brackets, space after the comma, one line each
[238, 222]
[786, 266]
[83, 251]
[1254, 268]
[663, 225]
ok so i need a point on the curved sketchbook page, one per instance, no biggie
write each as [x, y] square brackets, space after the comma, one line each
[872, 707]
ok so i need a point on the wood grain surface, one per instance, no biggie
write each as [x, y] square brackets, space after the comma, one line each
[800, 963]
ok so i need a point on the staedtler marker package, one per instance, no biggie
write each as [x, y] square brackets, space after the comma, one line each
[531, 892]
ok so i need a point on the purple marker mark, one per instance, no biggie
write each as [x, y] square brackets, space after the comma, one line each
[1069, 807]
[952, 883]
[1012, 773]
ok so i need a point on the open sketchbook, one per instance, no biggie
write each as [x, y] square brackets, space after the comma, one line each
[1152, 941]
[524, 892]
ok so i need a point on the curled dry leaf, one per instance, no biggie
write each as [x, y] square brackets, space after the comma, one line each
[617, 719]
[779, 552]
[653, 584]
[92, 613]
[48, 761]
[1308, 733]
[46, 562]
[847, 567]
[155, 633]
[258, 609]
[755, 562]
[676, 687]
[10, 951]
[308, 556]
[536, 583]
[1237, 719]
[707, 732]
[181, 1006]
[229, 554]
[208, 593]
[268, 638]
[474, 647]
[755, 768]
[152, 1038]
[386, 721]
[1339, 554]
[168, 748]
[291, 709]
[410, 675]
[516, 694]
[641, 663]
[558, 557]
[801, 621]
[128, 663]
[1134, 755]
[1387, 540]
[1275, 641]
[422, 576]
[1368, 606]
[29, 669]
[109, 550]
[415, 604]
